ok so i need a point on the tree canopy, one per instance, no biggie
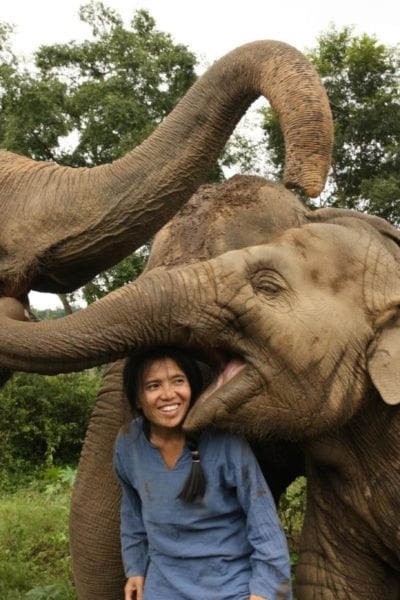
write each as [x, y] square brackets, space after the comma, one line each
[103, 96]
[361, 77]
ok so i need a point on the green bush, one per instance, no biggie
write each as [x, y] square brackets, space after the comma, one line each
[291, 512]
[43, 419]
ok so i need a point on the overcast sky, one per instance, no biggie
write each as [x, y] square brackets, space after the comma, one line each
[210, 28]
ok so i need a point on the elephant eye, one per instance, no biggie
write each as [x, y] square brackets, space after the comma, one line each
[267, 282]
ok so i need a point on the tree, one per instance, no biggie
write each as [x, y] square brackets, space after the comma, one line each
[105, 94]
[119, 85]
[361, 77]
[32, 117]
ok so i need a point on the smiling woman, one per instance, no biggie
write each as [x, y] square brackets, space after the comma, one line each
[197, 517]
[164, 395]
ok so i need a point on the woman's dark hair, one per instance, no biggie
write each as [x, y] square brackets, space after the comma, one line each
[134, 370]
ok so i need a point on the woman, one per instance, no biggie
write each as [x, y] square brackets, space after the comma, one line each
[198, 521]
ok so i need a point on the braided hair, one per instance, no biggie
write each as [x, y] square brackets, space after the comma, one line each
[134, 370]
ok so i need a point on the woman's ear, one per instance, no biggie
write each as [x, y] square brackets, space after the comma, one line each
[384, 362]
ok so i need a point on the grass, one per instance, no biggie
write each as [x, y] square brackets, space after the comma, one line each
[34, 553]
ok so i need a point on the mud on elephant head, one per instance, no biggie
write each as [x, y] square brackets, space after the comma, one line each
[299, 307]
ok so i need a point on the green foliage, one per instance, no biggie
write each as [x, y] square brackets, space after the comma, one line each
[33, 116]
[246, 150]
[34, 553]
[110, 92]
[58, 479]
[124, 272]
[361, 77]
[34, 549]
[48, 313]
[43, 419]
[118, 86]
[291, 512]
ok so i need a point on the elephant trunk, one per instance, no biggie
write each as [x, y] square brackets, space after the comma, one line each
[153, 310]
[86, 220]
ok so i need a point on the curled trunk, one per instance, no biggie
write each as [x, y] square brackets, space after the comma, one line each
[81, 221]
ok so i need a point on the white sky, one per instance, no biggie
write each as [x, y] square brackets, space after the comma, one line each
[210, 28]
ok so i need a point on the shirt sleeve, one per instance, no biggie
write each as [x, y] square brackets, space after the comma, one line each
[270, 560]
[134, 545]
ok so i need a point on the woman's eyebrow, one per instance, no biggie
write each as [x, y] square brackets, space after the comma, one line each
[147, 381]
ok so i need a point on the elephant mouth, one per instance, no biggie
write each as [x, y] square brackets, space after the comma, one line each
[223, 394]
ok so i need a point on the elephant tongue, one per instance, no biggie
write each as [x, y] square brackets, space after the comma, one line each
[231, 369]
[203, 411]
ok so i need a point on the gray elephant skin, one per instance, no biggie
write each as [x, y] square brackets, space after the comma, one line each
[299, 308]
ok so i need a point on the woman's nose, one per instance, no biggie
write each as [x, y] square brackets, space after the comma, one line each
[167, 391]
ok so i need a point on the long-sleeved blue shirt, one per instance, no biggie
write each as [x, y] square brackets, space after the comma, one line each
[225, 546]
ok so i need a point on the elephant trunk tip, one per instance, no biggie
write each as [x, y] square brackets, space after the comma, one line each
[310, 184]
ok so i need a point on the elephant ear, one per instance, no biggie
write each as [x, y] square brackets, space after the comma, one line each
[384, 363]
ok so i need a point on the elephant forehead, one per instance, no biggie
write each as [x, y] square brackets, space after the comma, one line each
[329, 249]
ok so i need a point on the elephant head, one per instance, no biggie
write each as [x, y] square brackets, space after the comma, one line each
[305, 326]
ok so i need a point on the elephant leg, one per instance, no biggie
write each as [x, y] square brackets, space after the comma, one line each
[94, 517]
[336, 562]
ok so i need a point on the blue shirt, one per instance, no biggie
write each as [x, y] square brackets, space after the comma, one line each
[225, 546]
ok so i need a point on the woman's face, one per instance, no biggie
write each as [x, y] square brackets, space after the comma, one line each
[164, 394]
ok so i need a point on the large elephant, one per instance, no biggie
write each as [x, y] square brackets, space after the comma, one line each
[60, 226]
[243, 211]
[305, 327]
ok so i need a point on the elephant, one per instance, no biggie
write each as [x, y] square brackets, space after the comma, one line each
[297, 309]
[214, 220]
[80, 221]
[304, 325]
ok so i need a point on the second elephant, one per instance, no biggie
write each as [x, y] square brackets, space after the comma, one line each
[312, 312]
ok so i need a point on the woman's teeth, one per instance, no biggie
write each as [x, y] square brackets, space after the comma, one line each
[169, 408]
